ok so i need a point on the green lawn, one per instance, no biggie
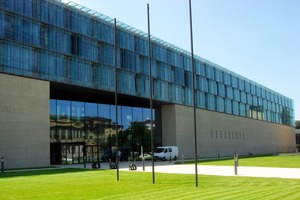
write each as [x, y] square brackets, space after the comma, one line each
[264, 161]
[102, 184]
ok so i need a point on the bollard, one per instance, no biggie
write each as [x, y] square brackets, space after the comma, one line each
[2, 164]
[143, 158]
[170, 158]
[182, 158]
[235, 164]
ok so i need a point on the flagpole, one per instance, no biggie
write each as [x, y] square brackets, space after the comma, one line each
[194, 99]
[116, 95]
[151, 90]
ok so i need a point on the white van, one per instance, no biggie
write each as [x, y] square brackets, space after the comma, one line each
[165, 152]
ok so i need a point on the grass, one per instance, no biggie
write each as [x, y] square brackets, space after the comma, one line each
[263, 161]
[102, 184]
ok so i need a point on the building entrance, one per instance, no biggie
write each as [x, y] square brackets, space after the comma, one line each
[72, 153]
[92, 154]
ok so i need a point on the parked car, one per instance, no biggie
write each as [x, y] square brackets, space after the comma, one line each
[108, 154]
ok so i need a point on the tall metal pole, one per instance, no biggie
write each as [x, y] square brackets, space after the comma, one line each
[151, 90]
[194, 99]
[116, 95]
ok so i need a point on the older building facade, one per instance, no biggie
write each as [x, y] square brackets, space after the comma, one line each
[57, 90]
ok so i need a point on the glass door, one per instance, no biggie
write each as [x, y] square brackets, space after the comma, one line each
[72, 153]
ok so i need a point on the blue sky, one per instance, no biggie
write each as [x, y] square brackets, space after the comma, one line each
[258, 39]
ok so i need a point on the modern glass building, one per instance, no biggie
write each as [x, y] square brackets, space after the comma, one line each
[66, 53]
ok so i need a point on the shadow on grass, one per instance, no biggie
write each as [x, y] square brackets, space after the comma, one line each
[39, 172]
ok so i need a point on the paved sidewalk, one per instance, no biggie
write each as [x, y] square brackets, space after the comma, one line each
[167, 167]
[227, 171]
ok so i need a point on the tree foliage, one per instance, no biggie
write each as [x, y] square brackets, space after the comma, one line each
[297, 124]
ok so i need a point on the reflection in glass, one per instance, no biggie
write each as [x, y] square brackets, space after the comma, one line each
[64, 120]
[78, 122]
[79, 129]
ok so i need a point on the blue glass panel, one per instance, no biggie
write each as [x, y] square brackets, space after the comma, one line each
[1, 24]
[142, 46]
[212, 87]
[78, 121]
[137, 114]
[126, 82]
[7, 26]
[201, 96]
[236, 94]
[229, 92]
[159, 53]
[127, 116]
[227, 80]
[203, 84]
[253, 89]
[52, 16]
[235, 108]
[263, 93]
[107, 55]
[254, 100]
[249, 99]
[188, 96]
[210, 72]
[219, 76]
[234, 81]
[178, 76]
[220, 104]
[127, 60]
[210, 101]
[202, 69]
[247, 87]
[8, 4]
[258, 91]
[241, 84]
[35, 34]
[228, 106]
[243, 97]
[221, 89]
[126, 40]
[188, 79]
[113, 114]
[242, 110]
[187, 63]
[157, 91]
[64, 119]
[105, 32]
[104, 111]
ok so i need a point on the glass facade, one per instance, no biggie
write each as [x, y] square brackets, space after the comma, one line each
[71, 44]
[79, 129]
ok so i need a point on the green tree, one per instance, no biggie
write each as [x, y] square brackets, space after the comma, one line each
[297, 124]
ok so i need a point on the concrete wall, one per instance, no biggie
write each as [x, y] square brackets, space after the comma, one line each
[222, 133]
[24, 122]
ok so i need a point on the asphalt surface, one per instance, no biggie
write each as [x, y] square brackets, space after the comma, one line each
[170, 167]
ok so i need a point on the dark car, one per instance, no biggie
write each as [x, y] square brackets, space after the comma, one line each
[109, 154]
